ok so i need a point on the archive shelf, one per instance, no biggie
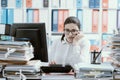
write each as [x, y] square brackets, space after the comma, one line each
[90, 13]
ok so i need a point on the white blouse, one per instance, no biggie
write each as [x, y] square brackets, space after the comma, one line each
[63, 52]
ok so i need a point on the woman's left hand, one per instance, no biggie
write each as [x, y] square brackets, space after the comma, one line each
[78, 36]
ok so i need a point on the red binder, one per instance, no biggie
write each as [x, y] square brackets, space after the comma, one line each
[104, 21]
[28, 3]
[95, 18]
[60, 20]
[104, 3]
[36, 16]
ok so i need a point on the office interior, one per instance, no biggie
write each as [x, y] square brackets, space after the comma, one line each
[36, 24]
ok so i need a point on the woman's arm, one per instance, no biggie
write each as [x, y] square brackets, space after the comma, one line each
[85, 51]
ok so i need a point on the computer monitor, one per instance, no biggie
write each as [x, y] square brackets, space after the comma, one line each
[36, 33]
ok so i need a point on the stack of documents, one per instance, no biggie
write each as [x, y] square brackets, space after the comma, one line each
[15, 51]
[84, 70]
[115, 49]
[32, 68]
[1, 67]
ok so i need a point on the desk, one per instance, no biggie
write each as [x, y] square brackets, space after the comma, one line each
[67, 77]
[58, 77]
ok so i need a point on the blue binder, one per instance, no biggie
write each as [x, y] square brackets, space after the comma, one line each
[97, 3]
[79, 3]
[55, 21]
[18, 3]
[4, 16]
[118, 4]
[80, 17]
[10, 16]
[4, 3]
[91, 3]
[29, 15]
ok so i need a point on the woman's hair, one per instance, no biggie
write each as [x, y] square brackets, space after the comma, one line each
[69, 20]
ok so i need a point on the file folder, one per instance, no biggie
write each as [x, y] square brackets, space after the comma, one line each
[104, 21]
[60, 20]
[28, 3]
[95, 20]
[104, 3]
[36, 15]
[118, 19]
[4, 3]
[19, 3]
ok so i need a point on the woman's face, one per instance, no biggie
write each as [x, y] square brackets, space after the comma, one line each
[70, 31]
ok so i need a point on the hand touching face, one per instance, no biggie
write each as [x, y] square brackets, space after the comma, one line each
[72, 33]
[78, 36]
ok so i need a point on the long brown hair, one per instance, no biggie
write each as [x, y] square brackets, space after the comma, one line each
[71, 19]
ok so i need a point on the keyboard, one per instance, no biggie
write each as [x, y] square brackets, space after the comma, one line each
[56, 68]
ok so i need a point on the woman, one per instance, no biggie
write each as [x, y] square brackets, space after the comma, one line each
[73, 47]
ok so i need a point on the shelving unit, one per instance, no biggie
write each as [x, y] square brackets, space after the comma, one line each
[90, 13]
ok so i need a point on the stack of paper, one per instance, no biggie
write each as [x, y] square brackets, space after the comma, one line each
[84, 70]
[15, 52]
[32, 68]
[115, 49]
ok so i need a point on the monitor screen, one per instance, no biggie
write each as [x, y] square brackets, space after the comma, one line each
[36, 34]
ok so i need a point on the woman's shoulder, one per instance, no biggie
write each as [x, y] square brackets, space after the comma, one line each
[84, 40]
[56, 41]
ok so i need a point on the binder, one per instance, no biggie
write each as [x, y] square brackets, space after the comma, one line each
[95, 20]
[118, 5]
[10, 16]
[97, 3]
[45, 3]
[55, 20]
[29, 15]
[0, 15]
[36, 15]
[28, 3]
[79, 3]
[91, 3]
[104, 21]
[4, 3]
[104, 3]
[118, 19]
[94, 45]
[4, 16]
[60, 20]
[105, 38]
[80, 17]
[19, 3]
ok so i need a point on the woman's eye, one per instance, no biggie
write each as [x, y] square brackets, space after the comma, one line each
[73, 30]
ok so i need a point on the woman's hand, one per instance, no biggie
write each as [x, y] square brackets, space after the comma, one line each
[52, 62]
[78, 36]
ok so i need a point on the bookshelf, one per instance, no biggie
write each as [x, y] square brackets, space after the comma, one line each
[99, 18]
